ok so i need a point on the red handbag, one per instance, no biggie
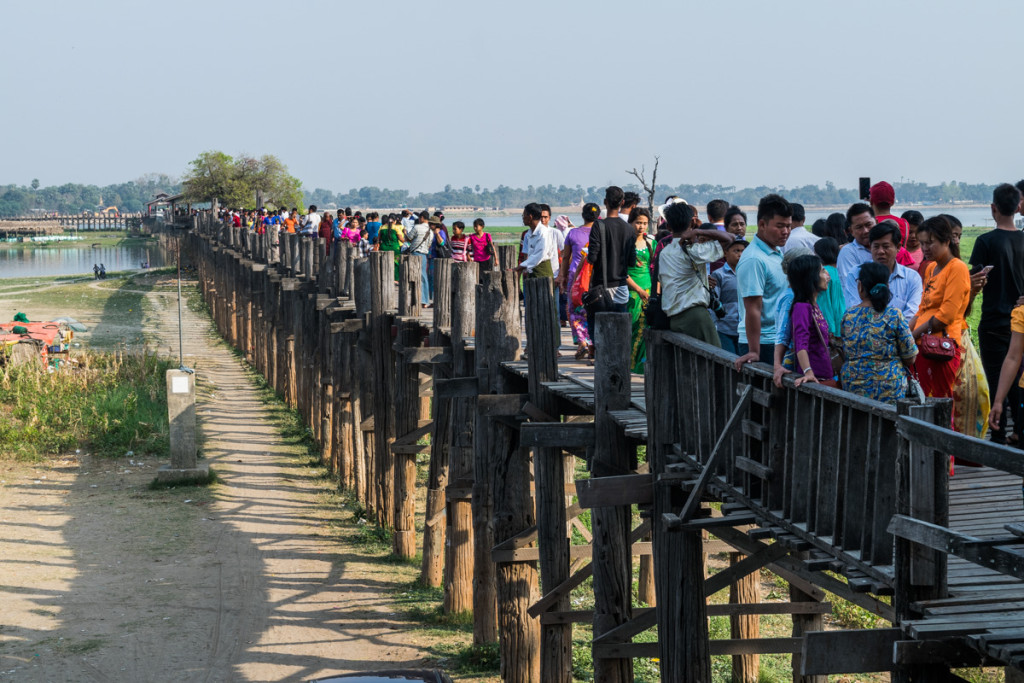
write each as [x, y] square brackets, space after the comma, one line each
[936, 347]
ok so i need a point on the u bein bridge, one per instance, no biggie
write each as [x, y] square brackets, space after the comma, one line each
[36, 226]
[837, 495]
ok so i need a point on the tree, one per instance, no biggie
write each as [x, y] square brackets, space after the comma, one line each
[216, 175]
[35, 183]
[648, 188]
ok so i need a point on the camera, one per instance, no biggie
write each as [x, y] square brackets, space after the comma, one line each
[716, 306]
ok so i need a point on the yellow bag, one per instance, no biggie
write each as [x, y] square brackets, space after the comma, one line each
[971, 399]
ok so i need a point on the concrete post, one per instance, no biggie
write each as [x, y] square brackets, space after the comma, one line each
[181, 415]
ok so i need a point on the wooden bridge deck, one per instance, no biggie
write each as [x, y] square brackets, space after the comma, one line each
[984, 606]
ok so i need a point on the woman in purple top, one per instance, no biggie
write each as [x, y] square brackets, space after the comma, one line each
[807, 279]
[576, 241]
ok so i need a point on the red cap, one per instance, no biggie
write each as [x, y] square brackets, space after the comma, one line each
[882, 193]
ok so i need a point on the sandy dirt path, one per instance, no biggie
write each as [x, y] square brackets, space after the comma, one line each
[104, 580]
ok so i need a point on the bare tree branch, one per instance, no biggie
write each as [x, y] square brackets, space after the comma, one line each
[649, 189]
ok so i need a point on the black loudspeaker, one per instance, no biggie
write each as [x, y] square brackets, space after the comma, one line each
[865, 188]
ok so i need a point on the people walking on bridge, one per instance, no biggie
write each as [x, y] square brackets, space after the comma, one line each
[808, 279]
[683, 274]
[418, 242]
[639, 282]
[760, 280]
[940, 319]
[611, 251]
[877, 342]
[481, 244]
[541, 246]
[573, 254]
[999, 255]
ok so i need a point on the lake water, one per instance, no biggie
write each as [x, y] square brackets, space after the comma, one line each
[31, 261]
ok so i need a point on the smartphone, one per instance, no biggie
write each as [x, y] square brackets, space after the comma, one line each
[865, 189]
[982, 270]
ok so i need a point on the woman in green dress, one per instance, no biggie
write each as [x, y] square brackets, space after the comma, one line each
[639, 282]
[389, 239]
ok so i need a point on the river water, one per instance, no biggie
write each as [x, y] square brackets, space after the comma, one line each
[29, 261]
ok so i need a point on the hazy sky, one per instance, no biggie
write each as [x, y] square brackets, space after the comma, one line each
[418, 94]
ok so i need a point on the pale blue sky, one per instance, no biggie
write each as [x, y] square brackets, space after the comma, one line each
[418, 94]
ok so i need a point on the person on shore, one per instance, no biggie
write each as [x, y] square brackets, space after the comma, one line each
[95, 272]
[540, 245]
[913, 247]
[1001, 251]
[683, 274]
[576, 241]
[760, 281]
[882, 197]
[724, 282]
[481, 245]
[947, 290]
[808, 278]
[905, 285]
[859, 221]
[639, 283]
[877, 341]
[831, 302]
[799, 236]
[616, 245]
[459, 242]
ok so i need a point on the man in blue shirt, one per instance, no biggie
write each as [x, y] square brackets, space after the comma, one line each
[760, 281]
[372, 227]
[859, 221]
[904, 283]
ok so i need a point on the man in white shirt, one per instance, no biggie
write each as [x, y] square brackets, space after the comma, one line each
[312, 224]
[799, 236]
[541, 245]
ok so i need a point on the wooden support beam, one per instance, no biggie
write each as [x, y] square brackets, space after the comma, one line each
[745, 566]
[985, 553]
[493, 405]
[557, 434]
[719, 450]
[457, 387]
[849, 651]
[627, 489]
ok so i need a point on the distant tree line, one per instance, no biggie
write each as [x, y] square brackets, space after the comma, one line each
[504, 197]
[132, 196]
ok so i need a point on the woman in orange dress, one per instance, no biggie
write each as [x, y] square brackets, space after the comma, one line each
[947, 291]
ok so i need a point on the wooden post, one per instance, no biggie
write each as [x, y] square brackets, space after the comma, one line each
[922, 493]
[431, 571]
[544, 338]
[612, 554]
[363, 399]
[498, 339]
[407, 402]
[520, 637]
[802, 623]
[382, 304]
[458, 594]
[409, 284]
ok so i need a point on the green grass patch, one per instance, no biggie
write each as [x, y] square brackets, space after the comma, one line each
[107, 404]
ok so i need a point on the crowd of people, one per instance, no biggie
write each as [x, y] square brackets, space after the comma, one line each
[423, 234]
[866, 301]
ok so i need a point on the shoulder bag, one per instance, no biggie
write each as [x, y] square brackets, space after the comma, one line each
[836, 353]
[936, 347]
[598, 297]
[655, 314]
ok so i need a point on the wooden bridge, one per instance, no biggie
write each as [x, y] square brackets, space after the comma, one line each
[33, 226]
[836, 494]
